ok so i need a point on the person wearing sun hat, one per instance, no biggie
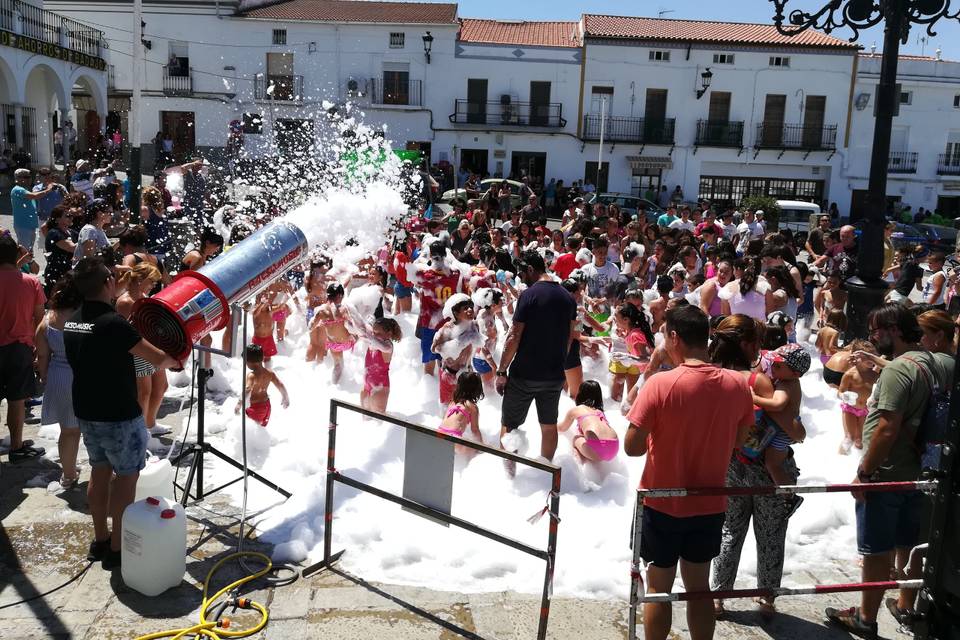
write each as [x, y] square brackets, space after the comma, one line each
[784, 366]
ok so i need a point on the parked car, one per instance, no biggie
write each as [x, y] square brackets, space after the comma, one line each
[944, 237]
[628, 204]
[796, 215]
[915, 234]
[453, 194]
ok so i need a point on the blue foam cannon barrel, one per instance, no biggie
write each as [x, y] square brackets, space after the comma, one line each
[198, 302]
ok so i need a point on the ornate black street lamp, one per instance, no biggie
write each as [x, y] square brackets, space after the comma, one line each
[867, 288]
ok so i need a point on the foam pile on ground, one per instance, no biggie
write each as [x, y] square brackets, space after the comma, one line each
[387, 544]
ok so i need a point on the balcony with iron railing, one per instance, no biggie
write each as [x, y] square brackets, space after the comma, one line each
[775, 135]
[628, 129]
[406, 93]
[719, 134]
[177, 80]
[279, 88]
[509, 114]
[902, 162]
[49, 27]
[948, 164]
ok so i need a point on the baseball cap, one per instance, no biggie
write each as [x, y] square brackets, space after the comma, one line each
[794, 356]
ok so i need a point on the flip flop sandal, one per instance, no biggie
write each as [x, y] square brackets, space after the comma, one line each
[26, 452]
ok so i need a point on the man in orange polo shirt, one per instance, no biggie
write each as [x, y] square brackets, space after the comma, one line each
[688, 441]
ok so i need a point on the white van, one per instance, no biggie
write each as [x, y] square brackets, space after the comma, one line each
[796, 215]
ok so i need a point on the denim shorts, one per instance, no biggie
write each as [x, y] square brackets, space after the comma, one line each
[888, 521]
[426, 344]
[122, 445]
[401, 291]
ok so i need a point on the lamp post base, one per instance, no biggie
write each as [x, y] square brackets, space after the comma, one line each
[864, 296]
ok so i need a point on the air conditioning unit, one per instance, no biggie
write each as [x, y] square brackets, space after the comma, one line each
[353, 88]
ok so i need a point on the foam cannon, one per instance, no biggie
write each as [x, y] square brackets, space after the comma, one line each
[198, 302]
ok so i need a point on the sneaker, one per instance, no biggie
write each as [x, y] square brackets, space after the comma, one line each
[26, 452]
[904, 617]
[98, 550]
[33, 402]
[111, 560]
[849, 620]
[158, 430]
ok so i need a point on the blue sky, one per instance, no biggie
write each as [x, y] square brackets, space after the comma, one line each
[948, 33]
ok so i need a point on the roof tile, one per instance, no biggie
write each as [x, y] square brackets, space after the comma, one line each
[601, 26]
[543, 34]
[358, 11]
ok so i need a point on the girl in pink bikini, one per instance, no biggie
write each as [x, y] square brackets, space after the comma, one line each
[463, 412]
[376, 380]
[332, 320]
[595, 439]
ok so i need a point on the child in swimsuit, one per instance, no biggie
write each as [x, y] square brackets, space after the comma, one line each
[376, 379]
[784, 366]
[331, 322]
[630, 349]
[490, 303]
[463, 413]
[263, 324]
[828, 338]
[259, 380]
[855, 388]
[595, 440]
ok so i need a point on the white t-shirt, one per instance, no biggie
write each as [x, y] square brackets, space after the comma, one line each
[729, 231]
[89, 232]
[599, 277]
[680, 224]
[748, 231]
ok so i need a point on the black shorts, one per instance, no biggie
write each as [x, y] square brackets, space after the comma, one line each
[573, 357]
[520, 393]
[664, 539]
[16, 371]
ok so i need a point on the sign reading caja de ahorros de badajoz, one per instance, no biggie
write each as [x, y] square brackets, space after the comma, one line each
[31, 45]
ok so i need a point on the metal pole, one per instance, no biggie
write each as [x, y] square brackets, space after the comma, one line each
[331, 471]
[554, 516]
[603, 122]
[134, 171]
[939, 617]
[636, 577]
[867, 288]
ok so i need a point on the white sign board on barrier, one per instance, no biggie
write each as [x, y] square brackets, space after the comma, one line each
[428, 472]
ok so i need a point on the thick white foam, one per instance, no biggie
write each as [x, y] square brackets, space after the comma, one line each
[387, 544]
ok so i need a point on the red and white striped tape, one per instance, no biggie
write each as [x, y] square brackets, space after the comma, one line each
[920, 485]
[781, 591]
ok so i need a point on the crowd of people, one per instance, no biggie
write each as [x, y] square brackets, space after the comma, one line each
[702, 324]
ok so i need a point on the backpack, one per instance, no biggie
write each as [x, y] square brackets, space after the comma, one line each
[932, 430]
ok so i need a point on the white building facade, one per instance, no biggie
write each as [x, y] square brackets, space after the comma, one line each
[723, 110]
[924, 166]
[47, 62]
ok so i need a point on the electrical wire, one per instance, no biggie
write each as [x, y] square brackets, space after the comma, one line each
[186, 431]
[46, 593]
[274, 580]
[147, 36]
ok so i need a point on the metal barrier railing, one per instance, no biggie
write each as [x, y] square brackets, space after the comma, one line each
[334, 476]
[636, 577]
